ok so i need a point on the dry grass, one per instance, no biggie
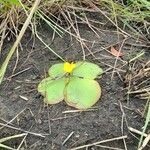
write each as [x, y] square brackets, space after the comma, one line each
[138, 78]
[132, 16]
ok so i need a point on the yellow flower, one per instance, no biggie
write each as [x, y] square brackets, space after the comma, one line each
[68, 67]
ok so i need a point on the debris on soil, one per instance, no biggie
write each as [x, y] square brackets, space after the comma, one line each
[48, 127]
[138, 78]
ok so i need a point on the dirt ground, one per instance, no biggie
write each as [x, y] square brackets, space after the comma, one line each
[49, 126]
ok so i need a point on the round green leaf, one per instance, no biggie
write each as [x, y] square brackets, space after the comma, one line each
[52, 90]
[56, 70]
[44, 84]
[87, 70]
[82, 93]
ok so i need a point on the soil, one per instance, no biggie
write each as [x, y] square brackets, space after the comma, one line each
[108, 118]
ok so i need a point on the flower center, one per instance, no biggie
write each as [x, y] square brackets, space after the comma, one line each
[68, 67]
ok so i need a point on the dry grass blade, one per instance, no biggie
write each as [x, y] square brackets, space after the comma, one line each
[143, 143]
[12, 50]
[99, 10]
[138, 79]
[12, 119]
[19, 129]
[9, 138]
[140, 87]
[100, 142]
[2, 36]
[6, 147]
[137, 131]
[22, 142]
[68, 138]
[108, 147]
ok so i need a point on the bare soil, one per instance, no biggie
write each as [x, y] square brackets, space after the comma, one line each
[107, 119]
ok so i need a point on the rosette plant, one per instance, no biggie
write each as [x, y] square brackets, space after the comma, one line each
[72, 82]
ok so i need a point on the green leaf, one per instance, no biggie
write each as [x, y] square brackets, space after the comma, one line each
[56, 70]
[82, 93]
[52, 90]
[87, 70]
[43, 85]
[12, 2]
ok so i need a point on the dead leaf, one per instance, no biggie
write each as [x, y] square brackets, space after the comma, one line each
[115, 52]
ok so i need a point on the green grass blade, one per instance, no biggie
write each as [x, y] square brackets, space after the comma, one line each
[11, 2]
[145, 125]
[47, 45]
[52, 25]
[145, 3]
[140, 54]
